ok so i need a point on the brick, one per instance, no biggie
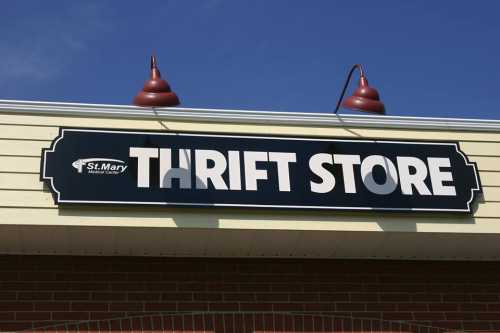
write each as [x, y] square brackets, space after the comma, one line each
[213, 297]
[141, 276]
[181, 276]
[226, 306]
[51, 306]
[487, 316]
[160, 286]
[16, 306]
[241, 297]
[427, 297]
[484, 298]
[15, 326]
[413, 307]
[459, 315]
[443, 307]
[125, 306]
[70, 315]
[434, 316]
[9, 276]
[367, 314]
[394, 297]
[261, 287]
[319, 307]
[37, 276]
[109, 296]
[35, 315]
[192, 306]
[129, 286]
[395, 287]
[223, 287]
[397, 315]
[7, 316]
[140, 296]
[52, 285]
[476, 325]
[71, 296]
[177, 296]
[333, 297]
[350, 307]
[256, 307]
[381, 307]
[19, 285]
[472, 307]
[91, 265]
[108, 276]
[106, 315]
[495, 325]
[288, 307]
[191, 286]
[330, 287]
[272, 297]
[73, 276]
[34, 295]
[8, 295]
[160, 306]
[364, 297]
[89, 306]
[456, 298]
[304, 297]
[90, 285]
[362, 278]
[483, 288]
[443, 288]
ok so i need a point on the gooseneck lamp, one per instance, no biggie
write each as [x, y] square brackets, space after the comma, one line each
[364, 98]
[156, 91]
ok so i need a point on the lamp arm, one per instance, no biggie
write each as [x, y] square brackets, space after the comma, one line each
[362, 73]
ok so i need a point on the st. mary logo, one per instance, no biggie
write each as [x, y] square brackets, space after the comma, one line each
[103, 166]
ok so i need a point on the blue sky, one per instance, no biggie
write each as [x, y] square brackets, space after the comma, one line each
[426, 58]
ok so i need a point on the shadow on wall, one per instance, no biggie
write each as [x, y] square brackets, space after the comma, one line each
[210, 217]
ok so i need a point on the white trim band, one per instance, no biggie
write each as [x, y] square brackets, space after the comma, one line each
[245, 117]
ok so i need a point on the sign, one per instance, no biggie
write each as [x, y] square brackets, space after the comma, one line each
[98, 166]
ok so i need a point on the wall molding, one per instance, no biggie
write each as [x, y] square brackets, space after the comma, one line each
[245, 116]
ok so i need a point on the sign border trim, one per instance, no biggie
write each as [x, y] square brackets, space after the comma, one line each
[63, 129]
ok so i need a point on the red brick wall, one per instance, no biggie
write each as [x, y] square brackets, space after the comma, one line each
[48, 290]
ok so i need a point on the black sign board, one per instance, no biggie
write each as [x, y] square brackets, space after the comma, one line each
[127, 167]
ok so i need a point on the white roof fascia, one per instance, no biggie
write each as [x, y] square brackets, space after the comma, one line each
[245, 116]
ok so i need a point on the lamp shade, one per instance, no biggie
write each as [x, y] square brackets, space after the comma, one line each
[364, 98]
[156, 91]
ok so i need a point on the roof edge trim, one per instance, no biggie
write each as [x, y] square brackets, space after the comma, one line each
[245, 116]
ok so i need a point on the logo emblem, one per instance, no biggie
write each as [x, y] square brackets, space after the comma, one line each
[102, 166]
